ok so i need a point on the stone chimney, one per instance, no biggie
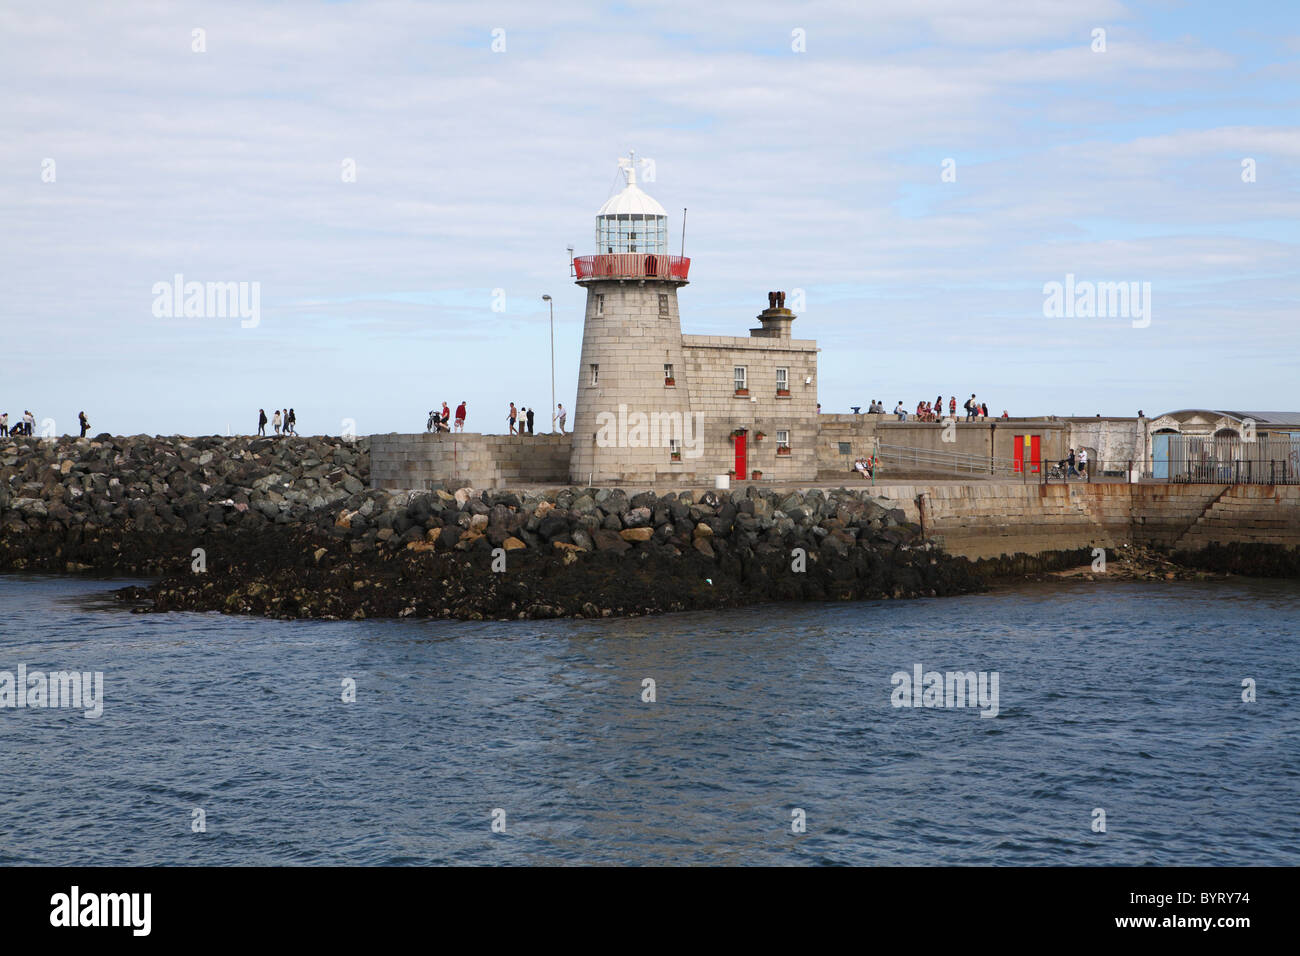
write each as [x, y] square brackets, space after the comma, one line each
[776, 319]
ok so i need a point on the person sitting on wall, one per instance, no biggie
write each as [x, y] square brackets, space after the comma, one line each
[900, 411]
[863, 467]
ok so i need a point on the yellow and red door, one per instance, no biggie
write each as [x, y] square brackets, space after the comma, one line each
[1026, 448]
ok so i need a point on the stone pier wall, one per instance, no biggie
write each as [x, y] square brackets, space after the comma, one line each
[419, 461]
[992, 519]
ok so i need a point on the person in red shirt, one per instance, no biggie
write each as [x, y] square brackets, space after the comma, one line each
[952, 406]
[460, 417]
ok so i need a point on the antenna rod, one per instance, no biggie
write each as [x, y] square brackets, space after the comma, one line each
[683, 232]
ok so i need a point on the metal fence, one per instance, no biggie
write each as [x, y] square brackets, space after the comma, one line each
[1267, 460]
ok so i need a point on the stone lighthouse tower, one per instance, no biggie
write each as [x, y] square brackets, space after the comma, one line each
[633, 416]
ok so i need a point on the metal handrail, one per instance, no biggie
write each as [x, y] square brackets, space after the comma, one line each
[631, 265]
[960, 462]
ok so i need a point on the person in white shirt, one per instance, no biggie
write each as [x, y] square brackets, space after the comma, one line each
[1083, 462]
[900, 411]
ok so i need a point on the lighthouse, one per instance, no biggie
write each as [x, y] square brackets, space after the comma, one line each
[632, 418]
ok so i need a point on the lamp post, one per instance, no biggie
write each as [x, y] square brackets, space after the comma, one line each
[551, 305]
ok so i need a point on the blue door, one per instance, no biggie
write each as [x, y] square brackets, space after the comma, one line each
[1160, 456]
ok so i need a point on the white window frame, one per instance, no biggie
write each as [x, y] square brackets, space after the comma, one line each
[783, 379]
[663, 303]
[600, 305]
[595, 374]
[782, 442]
[668, 372]
[740, 377]
[674, 448]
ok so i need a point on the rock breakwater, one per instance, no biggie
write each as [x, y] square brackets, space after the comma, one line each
[288, 527]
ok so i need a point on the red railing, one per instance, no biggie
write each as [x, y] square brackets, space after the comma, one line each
[631, 265]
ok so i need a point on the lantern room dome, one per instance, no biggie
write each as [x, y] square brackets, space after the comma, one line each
[631, 221]
[632, 201]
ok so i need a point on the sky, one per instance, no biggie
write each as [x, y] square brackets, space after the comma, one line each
[919, 170]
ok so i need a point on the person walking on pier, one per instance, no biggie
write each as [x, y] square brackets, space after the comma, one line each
[460, 416]
[511, 418]
[261, 421]
[561, 416]
[529, 418]
[275, 421]
[84, 422]
[4, 425]
[291, 423]
[1083, 463]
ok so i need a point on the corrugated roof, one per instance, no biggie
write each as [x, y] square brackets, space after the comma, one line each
[1288, 419]
[1268, 418]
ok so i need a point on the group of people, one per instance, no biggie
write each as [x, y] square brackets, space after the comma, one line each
[1074, 466]
[27, 424]
[24, 426]
[933, 412]
[519, 420]
[284, 422]
[441, 421]
[865, 466]
[524, 419]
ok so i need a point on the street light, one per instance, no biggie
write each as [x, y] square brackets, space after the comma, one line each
[547, 300]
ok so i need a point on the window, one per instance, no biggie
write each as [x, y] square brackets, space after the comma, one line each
[783, 381]
[782, 442]
[846, 448]
[600, 305]
[669, 378]
[663, 305]
[674, 450]
[595, 375]
[740, 377]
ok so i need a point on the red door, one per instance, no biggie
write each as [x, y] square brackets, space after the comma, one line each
[1018, 453]
[741, 474]
[1035, 454]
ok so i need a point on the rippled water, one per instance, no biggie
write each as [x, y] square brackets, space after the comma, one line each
[1125, 697]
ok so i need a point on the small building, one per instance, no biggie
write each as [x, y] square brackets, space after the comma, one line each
[1200, 444]
[655, 405]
